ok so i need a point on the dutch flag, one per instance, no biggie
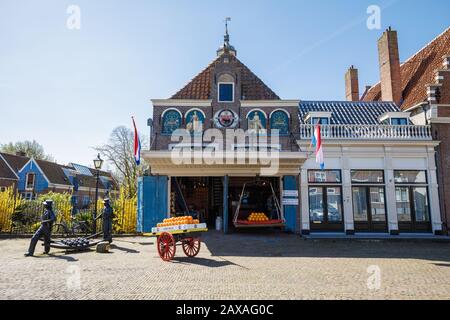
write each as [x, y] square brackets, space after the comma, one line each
[137, 144]
[316, 141]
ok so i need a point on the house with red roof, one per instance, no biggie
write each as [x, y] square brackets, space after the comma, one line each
[420, 86]
[227, 148]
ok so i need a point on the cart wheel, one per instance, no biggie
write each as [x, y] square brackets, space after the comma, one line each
[191, 246]
[166, 246]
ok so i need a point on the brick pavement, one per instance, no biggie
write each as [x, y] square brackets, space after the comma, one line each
[244, 266]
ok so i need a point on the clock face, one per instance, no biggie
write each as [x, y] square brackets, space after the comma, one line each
[226, 119]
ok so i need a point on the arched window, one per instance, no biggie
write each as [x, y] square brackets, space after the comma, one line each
[171, 121]
[195, 119]
[257, 120]
[279, 120]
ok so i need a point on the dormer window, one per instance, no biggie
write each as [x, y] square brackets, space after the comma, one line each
[29, 183]
[395, 118]
[225, 88]
[323, 118]
[226, 92]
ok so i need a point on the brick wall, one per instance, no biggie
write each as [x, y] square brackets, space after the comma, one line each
[227, 66]
[442, 133]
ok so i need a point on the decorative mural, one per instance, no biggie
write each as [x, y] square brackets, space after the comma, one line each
[280, 120]
[171, 121]
[257, 121]
[226, 119]
[194, 121]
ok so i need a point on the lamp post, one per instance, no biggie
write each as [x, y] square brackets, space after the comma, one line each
[98, 162]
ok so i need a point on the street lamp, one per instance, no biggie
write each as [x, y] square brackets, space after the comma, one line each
[98, 162]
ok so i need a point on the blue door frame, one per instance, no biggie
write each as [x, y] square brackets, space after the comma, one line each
[152, 202]
[290, 212]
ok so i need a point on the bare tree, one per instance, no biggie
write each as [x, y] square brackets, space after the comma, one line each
[119, 151]
[31, 149]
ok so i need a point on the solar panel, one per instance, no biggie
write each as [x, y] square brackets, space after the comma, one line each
[82, 169]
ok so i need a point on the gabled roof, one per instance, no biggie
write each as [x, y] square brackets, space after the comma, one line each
[347, 112]
[15, 162]
[417, 72]
[54, 172]
[199, 88]
[6, 172]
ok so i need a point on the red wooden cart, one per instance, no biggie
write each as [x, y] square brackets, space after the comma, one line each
[168, 240]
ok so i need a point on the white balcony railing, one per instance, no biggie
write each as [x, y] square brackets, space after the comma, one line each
[368, 132]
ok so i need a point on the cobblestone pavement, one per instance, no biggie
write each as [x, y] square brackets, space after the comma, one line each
[239, 266]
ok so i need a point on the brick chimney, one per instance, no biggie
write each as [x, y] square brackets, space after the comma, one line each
[352, 84]
[391, 82]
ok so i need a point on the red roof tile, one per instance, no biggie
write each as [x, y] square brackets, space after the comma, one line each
[199, 88]
[417, 72]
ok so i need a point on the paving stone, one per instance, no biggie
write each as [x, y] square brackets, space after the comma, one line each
[237, 266]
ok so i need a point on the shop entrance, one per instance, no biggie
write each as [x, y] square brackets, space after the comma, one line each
[202, 198]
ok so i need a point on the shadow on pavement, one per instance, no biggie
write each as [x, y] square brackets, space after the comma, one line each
[127, 250]
[274, 243]
[63, 257]
[204, 262]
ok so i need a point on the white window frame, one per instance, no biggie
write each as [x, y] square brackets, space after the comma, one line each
[26, 181]
[218, 92]
[395, 115]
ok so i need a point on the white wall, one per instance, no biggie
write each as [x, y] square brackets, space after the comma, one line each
[387, 157]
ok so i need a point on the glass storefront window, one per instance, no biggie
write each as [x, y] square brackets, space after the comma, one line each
[360, 204]
[377, 204]
[334, 204]
[367, 176]
[324, 176]
[410, 176]
[421, 204]
[403, 203]
[316, 209]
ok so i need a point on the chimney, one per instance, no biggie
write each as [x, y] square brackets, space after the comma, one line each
[21, 154]
[352, 84]
[391, 82]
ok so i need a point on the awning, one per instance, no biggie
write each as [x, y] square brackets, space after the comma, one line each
[275, 164]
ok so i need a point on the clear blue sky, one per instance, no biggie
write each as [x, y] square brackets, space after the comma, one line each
[69, 88]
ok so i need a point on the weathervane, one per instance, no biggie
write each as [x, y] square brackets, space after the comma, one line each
[227, 36]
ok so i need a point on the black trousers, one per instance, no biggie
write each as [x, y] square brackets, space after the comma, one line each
[107, 230]
[45, 232]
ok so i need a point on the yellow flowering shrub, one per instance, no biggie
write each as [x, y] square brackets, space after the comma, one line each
[8, 202]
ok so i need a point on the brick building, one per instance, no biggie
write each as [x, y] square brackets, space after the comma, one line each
[379, 175]
[421, 87]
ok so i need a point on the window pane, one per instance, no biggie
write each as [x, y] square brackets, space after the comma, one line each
[323, 121]
[365, 176]
[30, 180]
[325, 176]
[412, 176]
[225, 92]
[377, 204]
[334, 204]
[421, 204]
[403, 204]
[359, 204]
[399, 121]
[316, 205]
